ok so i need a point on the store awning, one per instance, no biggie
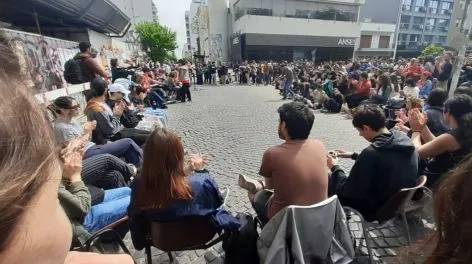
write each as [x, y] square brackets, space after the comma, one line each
[100, 15]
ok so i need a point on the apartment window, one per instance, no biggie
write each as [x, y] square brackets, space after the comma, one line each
[366, 41]
[259, 12]
[405, 19]
[462, 4]
[420, 2]
[384, 42]
[458, 23]
[430, 22]
[433, 7]
[442, 39]
[427, 39]
[414, 38]
[306, 14]
[446, 8]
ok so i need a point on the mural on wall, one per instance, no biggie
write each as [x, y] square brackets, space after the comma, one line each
[42, 58]
[216, 47]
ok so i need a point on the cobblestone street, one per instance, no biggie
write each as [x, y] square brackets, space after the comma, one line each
[234, 125]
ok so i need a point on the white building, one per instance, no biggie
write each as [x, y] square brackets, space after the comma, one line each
[294, 29]
[377, 39]
[138, 11]
[193, 24]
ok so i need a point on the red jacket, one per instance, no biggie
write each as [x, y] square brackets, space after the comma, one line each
[364, 88]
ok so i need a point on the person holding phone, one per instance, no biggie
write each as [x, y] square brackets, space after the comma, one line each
[389, 164]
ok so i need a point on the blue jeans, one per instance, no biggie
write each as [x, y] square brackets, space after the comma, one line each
[122, 148]
[112, 209]
[287, 88]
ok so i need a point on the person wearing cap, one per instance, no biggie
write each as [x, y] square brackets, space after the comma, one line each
[109, 127]
[425, 84]
[90, 68]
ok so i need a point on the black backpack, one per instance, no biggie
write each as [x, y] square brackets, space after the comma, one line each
[241, 246]
[73, 71]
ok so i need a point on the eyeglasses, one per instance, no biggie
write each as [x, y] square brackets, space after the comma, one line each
[74, 107]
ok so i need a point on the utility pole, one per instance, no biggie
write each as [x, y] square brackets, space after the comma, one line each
[459, 62]
[397, 29]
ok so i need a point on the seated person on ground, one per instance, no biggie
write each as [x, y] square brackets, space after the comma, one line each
[167, 191]
[389, 164]
[384, 91]
[334, 104]
[361, 93]
[66, 129]
[425, 84]
[444, 152]
[294, 171]
[118, 72]
[109, 126]
[410, 90]
[86, 216]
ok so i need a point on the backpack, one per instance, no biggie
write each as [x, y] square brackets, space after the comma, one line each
[241, 246]
[73, 71]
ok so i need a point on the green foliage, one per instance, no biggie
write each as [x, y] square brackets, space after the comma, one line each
[432, 50]
[158, 41]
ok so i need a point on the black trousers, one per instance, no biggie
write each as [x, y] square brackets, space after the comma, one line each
[105, 171]
[139, 136]
[185, 92]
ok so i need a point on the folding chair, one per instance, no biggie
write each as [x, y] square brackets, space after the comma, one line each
[191, 233]
[398, 205]
[109, 232]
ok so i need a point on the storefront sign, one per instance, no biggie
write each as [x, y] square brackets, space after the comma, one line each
[346, 42]
[299, 41]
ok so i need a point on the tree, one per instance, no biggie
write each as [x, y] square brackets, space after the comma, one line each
[432, 50]
[158, 41]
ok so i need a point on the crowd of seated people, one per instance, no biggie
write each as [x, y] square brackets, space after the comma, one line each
[35, 228]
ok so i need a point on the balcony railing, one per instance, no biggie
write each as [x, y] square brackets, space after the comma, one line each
[418, 27]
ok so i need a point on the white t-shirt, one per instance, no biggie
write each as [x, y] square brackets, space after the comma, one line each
[411, 92]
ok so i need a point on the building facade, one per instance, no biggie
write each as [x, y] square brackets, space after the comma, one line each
[294, 30]
[377, 40]
[423, 22]
[460, 30]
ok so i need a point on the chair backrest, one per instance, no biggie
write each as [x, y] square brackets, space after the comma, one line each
[177, 236]
[318, 230]
[398, 201]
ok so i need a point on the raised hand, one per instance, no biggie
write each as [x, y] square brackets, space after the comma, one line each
[418, 120]
[89, 127]
[197, 162]
[72, 167]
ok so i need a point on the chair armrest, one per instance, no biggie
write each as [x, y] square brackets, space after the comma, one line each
[87, 245]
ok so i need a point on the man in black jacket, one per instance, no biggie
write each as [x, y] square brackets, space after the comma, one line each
[389, 164]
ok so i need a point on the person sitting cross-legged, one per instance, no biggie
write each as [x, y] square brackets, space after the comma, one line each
[294, 172]
[389, 164]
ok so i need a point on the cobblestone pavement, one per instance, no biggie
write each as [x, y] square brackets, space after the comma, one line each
[234, 125]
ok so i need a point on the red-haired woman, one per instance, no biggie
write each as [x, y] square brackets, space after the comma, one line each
[167, 190]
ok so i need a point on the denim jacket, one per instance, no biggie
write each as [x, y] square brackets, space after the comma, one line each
[207, 202]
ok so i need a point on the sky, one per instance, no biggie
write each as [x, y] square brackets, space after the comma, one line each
[172, 14]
